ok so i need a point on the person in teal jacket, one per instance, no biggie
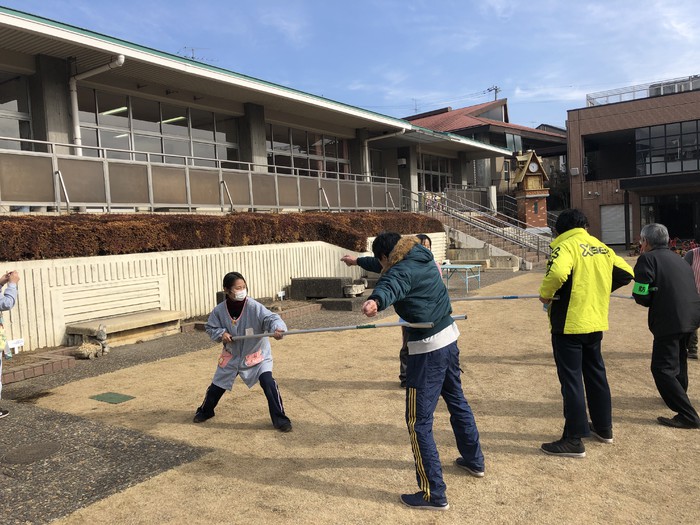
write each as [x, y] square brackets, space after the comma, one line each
[411, 282]
[582, 272]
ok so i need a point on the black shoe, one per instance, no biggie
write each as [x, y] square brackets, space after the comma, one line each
[4, 413]
[604, 436]
[285, 427]
[693, 355]
[477, 473]
[201, 417]
[565, 447]
[418, 501]
[676, 421]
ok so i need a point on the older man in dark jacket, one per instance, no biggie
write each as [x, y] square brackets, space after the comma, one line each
[665, 284]
[412, 283]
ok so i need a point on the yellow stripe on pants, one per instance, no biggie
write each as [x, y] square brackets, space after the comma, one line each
[420, 470]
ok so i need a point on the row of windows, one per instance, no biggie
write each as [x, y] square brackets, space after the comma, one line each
[160, 132]
[669, 148]
[15, 119]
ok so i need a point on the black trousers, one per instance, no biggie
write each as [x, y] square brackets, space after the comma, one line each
[669, 367]
[583, 380]
[274, 400]
[272, 393]
[403, 356]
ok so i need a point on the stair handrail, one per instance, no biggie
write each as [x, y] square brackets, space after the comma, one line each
[63, 187]
[503, 229]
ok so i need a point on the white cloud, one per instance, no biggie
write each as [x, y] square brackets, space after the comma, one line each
[288, 23]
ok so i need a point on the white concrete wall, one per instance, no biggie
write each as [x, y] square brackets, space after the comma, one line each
[55, 292]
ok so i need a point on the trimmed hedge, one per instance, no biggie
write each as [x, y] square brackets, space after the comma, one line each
[32, 237]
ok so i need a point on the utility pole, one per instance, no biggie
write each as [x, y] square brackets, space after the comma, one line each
[496, 90]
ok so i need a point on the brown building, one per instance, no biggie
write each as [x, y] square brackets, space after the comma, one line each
[634, 159]
[489, 123]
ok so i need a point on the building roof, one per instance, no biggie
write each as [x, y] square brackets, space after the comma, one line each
[182, 80]
[469, 118]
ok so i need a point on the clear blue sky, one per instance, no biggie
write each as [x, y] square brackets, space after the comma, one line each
[399, 57]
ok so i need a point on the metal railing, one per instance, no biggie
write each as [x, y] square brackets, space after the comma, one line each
[476, 220]
[651, 89]
[40, 175]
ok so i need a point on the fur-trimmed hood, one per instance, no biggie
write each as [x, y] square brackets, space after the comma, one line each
[401, 250]
[413, 284]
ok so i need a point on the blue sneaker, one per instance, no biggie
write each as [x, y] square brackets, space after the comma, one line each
[477, 473]
[418, 501]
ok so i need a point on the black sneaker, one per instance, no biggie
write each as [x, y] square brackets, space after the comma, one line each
[677, 421]
[418, 501]
[285, 427]
[201, 417]
[565, 447]
[604, 436]
[4, 413]
[461, 463]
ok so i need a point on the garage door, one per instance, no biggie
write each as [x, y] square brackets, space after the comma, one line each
[612, 223]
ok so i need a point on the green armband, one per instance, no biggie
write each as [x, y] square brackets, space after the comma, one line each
[640, 289]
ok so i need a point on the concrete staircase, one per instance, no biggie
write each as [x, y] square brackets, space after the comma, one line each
[498, 250]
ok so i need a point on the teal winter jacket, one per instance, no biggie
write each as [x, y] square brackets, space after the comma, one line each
[413, 284]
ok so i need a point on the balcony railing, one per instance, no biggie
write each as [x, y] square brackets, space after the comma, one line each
[55, 180]
[652, 89]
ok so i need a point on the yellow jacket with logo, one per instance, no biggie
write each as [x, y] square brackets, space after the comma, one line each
[582, 272]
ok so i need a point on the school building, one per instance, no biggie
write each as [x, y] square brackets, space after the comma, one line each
[634, 159]
[95, 123]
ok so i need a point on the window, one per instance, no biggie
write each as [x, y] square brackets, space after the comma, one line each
[433, 173]
[15, 118]
[309, 153]
[670, 148]
[112, 110]
[514, 142]
[143, 126]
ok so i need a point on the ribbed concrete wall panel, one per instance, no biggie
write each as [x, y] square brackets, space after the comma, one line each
[55, 292]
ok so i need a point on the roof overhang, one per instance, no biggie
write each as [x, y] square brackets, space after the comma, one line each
[156, 74]
[663, 183]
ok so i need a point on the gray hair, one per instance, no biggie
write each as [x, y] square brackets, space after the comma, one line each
[656, 235]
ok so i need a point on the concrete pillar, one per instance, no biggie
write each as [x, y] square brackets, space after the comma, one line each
[252, 137]
[491, 192]
[356, 149]
[50, 100]
[460, 167]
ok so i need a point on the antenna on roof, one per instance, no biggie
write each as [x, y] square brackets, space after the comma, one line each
[496, 90]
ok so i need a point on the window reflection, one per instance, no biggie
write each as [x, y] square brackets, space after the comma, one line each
[673, 148]
[154, 127]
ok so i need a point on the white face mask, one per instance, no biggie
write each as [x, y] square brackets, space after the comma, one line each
[240, 295]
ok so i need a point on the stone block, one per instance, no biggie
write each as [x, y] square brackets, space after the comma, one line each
[305, 288]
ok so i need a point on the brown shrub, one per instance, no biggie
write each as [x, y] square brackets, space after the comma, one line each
[30, 237]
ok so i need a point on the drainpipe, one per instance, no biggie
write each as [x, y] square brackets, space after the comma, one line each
[73, 88]
[366, 148]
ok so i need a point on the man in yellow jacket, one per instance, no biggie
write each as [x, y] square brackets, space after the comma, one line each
[581, 274]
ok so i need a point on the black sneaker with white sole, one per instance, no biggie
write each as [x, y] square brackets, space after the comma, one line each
[4, 413]
[418, 501]
[604, 436]
[565, 447]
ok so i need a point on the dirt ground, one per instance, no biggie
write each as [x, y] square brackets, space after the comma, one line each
[349, 457]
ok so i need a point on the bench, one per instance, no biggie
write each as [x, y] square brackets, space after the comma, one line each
[126, 329]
